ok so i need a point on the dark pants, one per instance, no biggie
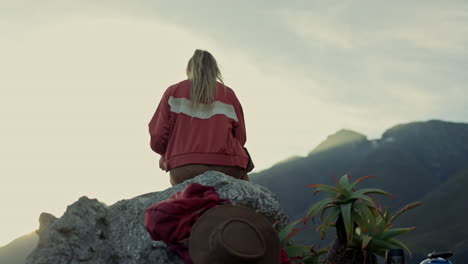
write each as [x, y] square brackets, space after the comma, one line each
[186, 172]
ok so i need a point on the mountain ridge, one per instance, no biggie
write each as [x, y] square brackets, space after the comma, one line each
[411, 161]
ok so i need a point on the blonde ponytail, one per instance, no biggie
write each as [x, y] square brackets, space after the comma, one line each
[204, 74]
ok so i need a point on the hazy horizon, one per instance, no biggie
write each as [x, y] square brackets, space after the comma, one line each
[80, 81]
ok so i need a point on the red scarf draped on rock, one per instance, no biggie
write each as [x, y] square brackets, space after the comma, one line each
[171, 220]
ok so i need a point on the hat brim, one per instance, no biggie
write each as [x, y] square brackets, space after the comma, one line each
[199, 247]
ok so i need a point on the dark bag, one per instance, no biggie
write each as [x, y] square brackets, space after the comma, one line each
[250, 165]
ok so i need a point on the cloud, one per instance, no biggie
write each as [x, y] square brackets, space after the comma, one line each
[375, 52]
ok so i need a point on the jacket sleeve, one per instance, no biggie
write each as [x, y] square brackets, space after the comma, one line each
[159, 126]
[239, 128]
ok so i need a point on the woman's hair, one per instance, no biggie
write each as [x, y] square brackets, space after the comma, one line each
[204, 74]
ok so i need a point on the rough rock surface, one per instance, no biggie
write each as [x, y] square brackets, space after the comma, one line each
[91, 232]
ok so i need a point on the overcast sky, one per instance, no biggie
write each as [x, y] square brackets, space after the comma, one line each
[79, 81]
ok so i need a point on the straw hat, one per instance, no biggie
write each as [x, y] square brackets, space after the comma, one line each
[233, 234]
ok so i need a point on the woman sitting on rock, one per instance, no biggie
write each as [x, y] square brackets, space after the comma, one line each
[199, 125]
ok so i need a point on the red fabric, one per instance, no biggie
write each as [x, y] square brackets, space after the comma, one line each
[171, 220]
[182, 139]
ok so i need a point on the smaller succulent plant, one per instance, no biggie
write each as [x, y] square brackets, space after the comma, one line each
[380, 237]
[299, 253]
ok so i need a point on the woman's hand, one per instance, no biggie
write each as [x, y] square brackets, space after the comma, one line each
[161, 163]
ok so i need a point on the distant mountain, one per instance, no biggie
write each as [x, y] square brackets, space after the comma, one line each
[287, 179]
[420, 161]
[342, 137]
[17, 250]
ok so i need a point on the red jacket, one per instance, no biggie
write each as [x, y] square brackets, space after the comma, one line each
[214, 135]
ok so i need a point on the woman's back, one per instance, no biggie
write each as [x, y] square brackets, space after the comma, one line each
[208, 131]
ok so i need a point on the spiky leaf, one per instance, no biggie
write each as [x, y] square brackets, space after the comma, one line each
[347, 220]
[403, 210]
[374, 190]
[365, 241]
[284, 234]
[393, 232]
[400, 244]
[311, 259]
[331, 217]
[367, 214]
[322, 187]
[313, 211]
[344, 181]
[382, 244]
[352, 185]
[297, 250]
[358, 196]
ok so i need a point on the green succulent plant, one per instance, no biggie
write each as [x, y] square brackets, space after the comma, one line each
[346, 201]
[368, 227]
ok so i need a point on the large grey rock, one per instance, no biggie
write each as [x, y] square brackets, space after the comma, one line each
[91, 232]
